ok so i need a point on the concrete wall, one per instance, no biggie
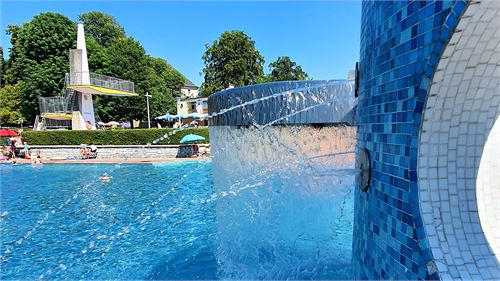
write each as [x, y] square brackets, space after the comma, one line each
[121, 151]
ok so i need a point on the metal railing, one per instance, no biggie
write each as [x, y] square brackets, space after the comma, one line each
[54, 105]
[65, 103]
[94, 79]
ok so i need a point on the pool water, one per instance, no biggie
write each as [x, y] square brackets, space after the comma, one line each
[151, 221]
[148, 222]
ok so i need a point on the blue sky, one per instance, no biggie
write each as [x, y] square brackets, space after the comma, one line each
[323, 37]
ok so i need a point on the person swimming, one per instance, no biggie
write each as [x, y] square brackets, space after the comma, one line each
[105, 177]
[37, 159]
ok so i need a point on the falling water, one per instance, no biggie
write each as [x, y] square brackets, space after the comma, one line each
[293, 220]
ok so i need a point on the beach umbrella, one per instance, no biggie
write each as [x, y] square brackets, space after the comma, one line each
[8, 133]
[113, 123]
[191, 138]
[165, 117]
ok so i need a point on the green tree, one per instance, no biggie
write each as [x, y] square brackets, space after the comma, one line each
[285, 69]
[232, 59]
[127, 60]
[2, 68]
[11, 69]
[164, 83]
[10, 104]
[97, 57]
[41, 48]
[101, 27]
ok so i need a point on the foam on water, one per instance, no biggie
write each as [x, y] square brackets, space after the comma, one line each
[290, 216]
[287, 182]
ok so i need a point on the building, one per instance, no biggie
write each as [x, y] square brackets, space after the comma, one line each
[189, 90]
[191, 107]
[75, 109]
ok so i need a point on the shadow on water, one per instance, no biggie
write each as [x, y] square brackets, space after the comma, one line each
[201, 264]
[194, 263]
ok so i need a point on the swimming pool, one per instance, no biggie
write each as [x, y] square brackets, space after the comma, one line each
[151, 221]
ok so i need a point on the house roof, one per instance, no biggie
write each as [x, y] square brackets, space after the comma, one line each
[189, 84]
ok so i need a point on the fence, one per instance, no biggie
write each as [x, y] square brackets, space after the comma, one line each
[94, 79]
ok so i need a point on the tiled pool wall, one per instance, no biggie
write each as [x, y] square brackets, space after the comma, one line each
[428, 100]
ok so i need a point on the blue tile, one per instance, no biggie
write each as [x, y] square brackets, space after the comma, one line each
[401, 45]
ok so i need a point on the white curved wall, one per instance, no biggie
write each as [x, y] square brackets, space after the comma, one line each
[463, 104]
[488, 189]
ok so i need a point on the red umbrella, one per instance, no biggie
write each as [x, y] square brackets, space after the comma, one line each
[7, 133]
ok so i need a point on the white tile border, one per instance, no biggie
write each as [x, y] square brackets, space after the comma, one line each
[459, 161]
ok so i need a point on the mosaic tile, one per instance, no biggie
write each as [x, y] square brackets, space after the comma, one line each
[401, 43]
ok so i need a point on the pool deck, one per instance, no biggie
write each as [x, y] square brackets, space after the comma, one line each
[115, 160]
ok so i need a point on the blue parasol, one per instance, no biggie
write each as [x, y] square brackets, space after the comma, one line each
[191, 138]
[165, 117]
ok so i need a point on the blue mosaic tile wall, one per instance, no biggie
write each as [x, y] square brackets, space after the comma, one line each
[401, 43]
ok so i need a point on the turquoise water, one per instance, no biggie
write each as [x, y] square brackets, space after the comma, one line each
[151, 221]
[148, 222]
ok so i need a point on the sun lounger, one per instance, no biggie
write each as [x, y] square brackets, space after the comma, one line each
[57, 158]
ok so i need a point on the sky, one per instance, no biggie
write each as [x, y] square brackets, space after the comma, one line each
[322, 37]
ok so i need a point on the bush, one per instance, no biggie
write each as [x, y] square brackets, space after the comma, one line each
[110, 137]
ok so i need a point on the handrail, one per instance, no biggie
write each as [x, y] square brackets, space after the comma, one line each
[94, 79]
[53, 105]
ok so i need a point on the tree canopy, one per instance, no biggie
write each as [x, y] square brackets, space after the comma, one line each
[285, 69]
[163, 84]
[127, 60]
[2, 67]
[10, 104]
[41, 49]
[232, 59]
[101, 27]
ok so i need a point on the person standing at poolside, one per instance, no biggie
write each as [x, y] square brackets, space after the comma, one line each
[26, 151]
[13, 149]
[196, 149]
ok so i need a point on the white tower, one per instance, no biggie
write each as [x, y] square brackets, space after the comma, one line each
[79, 75]
[84, 84]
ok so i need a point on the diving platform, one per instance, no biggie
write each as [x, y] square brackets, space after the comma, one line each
[75, 106]
[98, 84]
